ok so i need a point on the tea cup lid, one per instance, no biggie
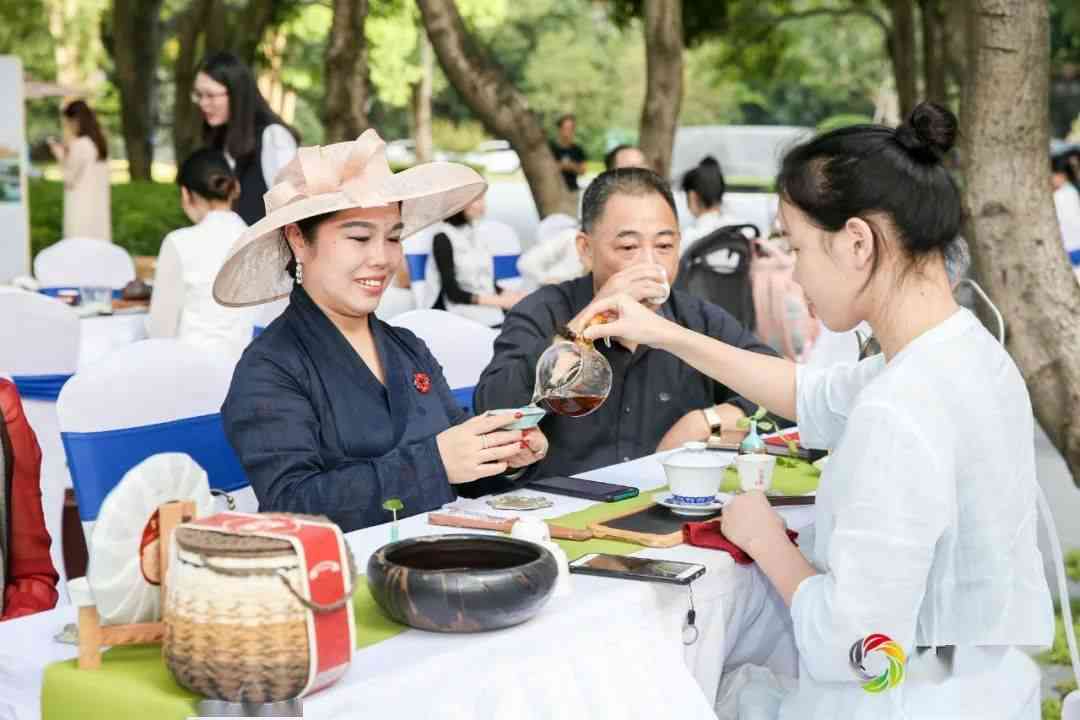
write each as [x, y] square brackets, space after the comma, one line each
[695, 455]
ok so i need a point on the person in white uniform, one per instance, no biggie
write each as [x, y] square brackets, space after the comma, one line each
[925, 520]
[705, 187]
[1067, 205]
[182, 305]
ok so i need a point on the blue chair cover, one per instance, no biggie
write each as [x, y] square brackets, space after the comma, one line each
[506, 266]
[98, 460]
[464, 397]
[54, 291]
[40, 387]
[417, 265]
[1074, 257]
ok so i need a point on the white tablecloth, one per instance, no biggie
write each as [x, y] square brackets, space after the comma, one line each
[613, 648]
[104, 333]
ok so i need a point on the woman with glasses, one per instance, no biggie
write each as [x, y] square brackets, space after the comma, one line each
[238, 121]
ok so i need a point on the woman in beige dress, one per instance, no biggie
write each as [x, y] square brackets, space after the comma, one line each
[83, 158]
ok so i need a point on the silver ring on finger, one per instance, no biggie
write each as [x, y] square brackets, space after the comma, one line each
[483, 440]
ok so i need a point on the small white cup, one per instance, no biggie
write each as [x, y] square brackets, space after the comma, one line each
[755, 471]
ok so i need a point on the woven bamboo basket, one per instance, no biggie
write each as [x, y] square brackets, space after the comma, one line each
[235, 630]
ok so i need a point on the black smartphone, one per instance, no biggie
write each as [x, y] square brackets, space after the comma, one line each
[587, 489]
[631, 567]
[801, 452]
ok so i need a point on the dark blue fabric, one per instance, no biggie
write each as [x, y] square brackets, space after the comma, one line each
[417, 265]
[40, 387]
[463, 397]
[98, 460]
[257, 330]
[117, 294]
[318, 433]
[1074, 257]
[506, 266]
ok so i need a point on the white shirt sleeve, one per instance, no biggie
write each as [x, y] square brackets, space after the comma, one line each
[888, 514]
[167, 299]
[278, 148]
[824, 397]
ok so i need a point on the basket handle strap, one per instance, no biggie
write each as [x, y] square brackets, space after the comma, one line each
[311, 604]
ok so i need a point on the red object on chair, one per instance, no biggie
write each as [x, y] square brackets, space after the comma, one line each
[30, 578]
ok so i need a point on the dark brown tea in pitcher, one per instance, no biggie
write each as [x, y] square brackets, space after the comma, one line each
[573, 406]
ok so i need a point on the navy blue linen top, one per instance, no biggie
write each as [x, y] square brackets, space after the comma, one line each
[318, 433]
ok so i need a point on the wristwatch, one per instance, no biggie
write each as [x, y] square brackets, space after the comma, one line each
[713, 418]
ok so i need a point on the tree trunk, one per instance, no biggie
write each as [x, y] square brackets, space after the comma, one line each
[1012, 229]
[421, 102]
[664, 81]
[187, 120]
[345, 101]
[901, 43]
[933, 37]
[502, 109]
[136, 42]
[251, 27]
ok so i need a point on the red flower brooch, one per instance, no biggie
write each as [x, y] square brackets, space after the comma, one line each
[422, 382]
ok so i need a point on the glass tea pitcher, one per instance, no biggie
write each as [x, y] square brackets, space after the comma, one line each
[572, 377]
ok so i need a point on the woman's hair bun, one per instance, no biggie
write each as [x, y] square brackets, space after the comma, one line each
[929, 132]
[709, 161]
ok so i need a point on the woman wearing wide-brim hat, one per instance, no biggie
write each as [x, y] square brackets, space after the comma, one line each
[331, 410]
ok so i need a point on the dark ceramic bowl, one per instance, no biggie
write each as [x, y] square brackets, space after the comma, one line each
[461, 583]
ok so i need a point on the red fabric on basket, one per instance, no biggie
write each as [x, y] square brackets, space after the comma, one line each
[709, 535]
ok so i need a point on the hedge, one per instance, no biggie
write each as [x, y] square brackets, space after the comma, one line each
[142, 214]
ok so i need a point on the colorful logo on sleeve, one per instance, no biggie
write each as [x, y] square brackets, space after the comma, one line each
[894, 654]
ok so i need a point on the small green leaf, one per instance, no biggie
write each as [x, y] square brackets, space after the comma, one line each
[393, 505]
[766, 425]
[793, 448]
[743, 423]
[759, 413]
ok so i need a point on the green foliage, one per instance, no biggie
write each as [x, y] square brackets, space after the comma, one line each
[1072, 565]
[1051, 709]
[1058, 654]
[393, 505]
[142, 214]
[843, 120]
[457, 137]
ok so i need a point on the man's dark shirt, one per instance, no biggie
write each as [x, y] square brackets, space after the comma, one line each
[575, 153]
[651, 389]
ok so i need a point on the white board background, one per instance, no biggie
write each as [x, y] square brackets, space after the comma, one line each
[14, 215]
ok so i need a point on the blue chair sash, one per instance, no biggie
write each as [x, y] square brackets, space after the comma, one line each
[464, 396]
[117, 294]
[1074, 257]
[506, 266]
[417, 265]
[40, 387]
[98, 460]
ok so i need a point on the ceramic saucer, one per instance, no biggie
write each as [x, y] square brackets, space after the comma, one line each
[668, 500]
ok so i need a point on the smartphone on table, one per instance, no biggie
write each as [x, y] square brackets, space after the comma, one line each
[631, 567]
[587, 489]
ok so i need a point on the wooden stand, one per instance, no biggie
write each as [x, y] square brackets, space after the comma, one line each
[93, 635]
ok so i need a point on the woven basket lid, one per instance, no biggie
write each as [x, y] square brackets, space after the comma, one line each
[218, 544]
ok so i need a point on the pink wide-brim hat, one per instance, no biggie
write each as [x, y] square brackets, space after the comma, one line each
[326, 179]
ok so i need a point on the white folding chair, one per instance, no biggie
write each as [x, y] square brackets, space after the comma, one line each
[39, 350]
[463, 347]
[84, 262]
[394, 302]
[505, 247]
[418, 256]
[155, 396]
[268, 313]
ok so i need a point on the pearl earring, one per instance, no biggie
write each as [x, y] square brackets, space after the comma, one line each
[299, 273]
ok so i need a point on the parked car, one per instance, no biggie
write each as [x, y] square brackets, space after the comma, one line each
[495, 156]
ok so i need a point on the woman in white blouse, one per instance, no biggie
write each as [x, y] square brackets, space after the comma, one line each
[925, 518]
[705, 187]
[84, 159]
[182, 305]
[238, 121]
[1067, 205]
